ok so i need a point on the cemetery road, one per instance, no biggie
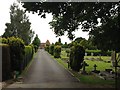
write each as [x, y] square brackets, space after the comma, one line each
[45, 69]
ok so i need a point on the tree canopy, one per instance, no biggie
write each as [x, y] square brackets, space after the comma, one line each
[19, 25]
[67, 16]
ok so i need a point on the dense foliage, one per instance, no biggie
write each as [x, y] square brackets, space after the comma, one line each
[51, 49]
[76, 57]
[6, 67]
[18, 56]
[57, 51]
[16, 52]
[36, 43]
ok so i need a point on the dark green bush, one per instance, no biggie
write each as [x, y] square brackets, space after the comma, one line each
[20, 55]
[28, 55]
[76, 57]
[51, 49]
[5, 62]
[57, 51]
[3, 40]
[68, 52]
[35, 47]
[16, 53]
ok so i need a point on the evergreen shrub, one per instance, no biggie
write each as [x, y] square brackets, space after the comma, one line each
[77, 54]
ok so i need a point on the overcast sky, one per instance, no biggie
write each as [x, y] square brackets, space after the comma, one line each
[39, 25]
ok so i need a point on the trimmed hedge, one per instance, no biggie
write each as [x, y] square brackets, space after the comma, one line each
[98, 52]
[16, 56]
[6, 67]
[29, 51]
[17, 53]
[57, 51]
[3, 40]
[76, 57]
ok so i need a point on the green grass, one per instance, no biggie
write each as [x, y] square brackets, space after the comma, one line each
[91, 79]
[64, 54]
[100, 65]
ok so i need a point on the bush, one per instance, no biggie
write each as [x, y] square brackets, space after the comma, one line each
[76, 57]
[28, 55]
[35, 47]
[51, 49]
[68, 52]
[3, 40]
[57, 51]
[5, 62]
[20, 55]
[16, 53]
[47, 48]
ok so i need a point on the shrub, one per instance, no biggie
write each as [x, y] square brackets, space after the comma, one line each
[51, 49]
[28, 55]
[57, 51]
[16, 53]
[5, 62]
[47, 48]
[33, 50]
[68, 52]
[3, 40]
[76, 57]
[35, 47]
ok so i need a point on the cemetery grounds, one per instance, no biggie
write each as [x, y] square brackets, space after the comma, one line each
[102, 63]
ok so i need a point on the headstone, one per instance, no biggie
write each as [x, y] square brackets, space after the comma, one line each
[85, 54]
[95, 70]
[113, 58]
[92, 54]
[95, 67]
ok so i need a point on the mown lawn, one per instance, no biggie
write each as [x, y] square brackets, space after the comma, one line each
[100, 65]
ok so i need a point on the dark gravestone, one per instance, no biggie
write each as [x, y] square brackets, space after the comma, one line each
[95, 70]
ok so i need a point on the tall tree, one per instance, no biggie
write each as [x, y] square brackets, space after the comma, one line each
[19, 25]
[36, 42]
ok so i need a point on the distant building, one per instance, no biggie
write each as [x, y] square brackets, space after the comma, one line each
[42, 45]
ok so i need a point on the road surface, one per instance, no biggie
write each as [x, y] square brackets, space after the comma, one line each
[45, 69]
